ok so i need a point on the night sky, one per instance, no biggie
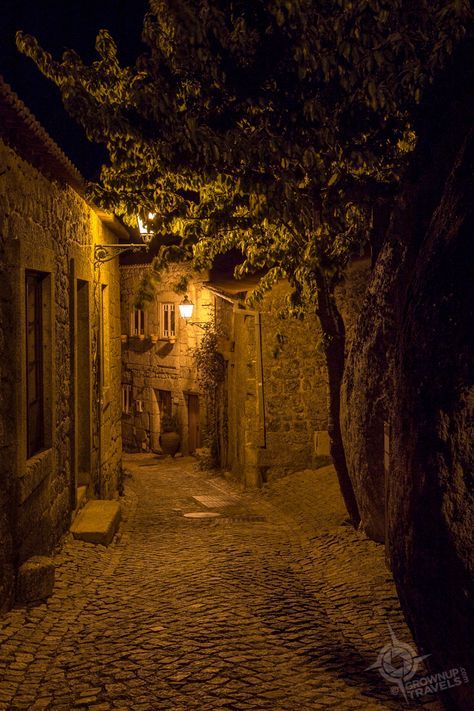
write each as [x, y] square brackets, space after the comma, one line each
[61, 24]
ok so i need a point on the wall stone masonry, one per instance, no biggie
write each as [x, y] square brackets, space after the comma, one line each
[154, 362]
[272, 431]
[294, 385]
[46, 227]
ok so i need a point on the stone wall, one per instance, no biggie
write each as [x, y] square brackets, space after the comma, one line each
[272, 432]
[46, 227]
[295, 382]
[7, 427]
[154, 363]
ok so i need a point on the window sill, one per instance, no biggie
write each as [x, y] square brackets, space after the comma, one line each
[37, 468]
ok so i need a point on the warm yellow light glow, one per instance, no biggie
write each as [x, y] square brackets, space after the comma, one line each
[186, 308]
[142, 226]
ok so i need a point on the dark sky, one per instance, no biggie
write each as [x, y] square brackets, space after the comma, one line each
[61, 24]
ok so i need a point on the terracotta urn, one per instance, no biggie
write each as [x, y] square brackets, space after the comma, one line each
[169, 442]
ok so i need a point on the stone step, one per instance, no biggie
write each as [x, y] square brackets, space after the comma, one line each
[97, 522]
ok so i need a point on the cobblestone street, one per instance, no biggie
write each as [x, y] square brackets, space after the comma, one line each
[275, 604]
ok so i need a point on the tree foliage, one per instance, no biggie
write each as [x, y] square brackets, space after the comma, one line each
[210, 367]
[270, 127]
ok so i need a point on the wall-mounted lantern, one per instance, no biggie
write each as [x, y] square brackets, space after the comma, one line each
[186, 308]
[106, 252]
[143, 228]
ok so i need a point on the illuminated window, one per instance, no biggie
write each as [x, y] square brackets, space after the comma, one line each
[137, 322]
[167, 320]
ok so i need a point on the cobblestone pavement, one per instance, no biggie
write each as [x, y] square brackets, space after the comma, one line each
[265, 607]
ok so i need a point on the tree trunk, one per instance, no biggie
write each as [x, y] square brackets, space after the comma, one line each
[333, 331]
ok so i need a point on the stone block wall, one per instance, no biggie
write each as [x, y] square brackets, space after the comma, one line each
[272, 428]
[294, 376]
[154, 363]
[7, 430]
[47, 227]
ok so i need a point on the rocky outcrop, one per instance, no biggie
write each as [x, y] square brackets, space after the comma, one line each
[367, 394]
[431, 485]
[411, 366]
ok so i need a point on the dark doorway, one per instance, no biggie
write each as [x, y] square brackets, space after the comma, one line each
[164, 403]
[193, 423]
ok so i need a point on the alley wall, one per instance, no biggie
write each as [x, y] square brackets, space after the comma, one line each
[159, 374]
[47, 238]
[277, 383]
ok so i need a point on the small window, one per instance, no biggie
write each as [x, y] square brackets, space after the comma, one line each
[137, 322]
[126, 399]
[34, 363]
[168, 321]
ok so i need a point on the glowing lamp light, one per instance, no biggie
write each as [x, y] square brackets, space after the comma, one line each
[145, 233]
[186, 308]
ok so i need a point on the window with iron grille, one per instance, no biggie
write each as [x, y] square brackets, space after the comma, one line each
[167, 320]
[126, 398]
[137, 322]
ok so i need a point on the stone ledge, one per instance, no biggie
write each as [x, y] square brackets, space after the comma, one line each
[97, 522]
[37, 469]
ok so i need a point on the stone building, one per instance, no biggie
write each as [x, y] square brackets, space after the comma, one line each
[272, 414]
[59, 344]
[276, 380]
[159, 376]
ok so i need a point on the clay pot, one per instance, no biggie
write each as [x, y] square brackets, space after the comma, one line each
[170, 442]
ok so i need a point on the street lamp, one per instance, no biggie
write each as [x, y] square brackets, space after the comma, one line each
[145, 233]
[186, 308]
[106, 252]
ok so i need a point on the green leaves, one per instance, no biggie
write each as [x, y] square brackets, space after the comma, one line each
[266, 127]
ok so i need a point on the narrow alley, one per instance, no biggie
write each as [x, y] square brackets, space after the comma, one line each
[254, 608]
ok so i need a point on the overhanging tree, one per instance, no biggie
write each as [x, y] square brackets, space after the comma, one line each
[276, 128]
